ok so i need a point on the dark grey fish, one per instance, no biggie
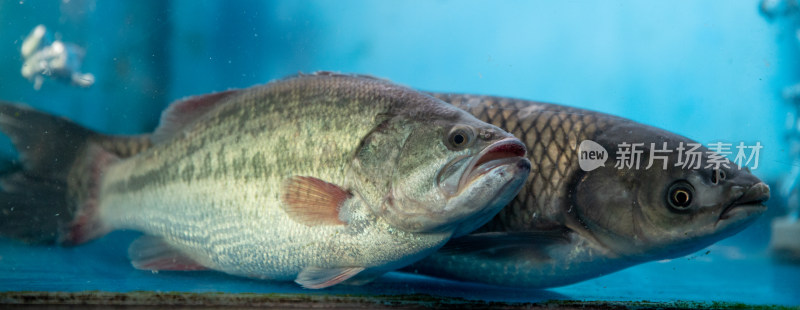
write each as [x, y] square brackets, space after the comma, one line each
[567, 225]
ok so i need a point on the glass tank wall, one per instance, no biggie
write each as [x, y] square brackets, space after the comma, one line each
[713, 71]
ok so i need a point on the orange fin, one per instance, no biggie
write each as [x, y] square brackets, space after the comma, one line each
[180, 114]
[317, 278]
[312, 201]
[153, 253]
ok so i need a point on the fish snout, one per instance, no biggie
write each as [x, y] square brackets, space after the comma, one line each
[756, 194]
[503, 152]
[750, 202]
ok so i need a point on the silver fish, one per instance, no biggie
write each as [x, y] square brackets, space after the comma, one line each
[568, 225]
[319, 179]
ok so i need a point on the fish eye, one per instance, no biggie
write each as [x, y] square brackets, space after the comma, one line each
[717, 175]
[679, 195]
[460, 137]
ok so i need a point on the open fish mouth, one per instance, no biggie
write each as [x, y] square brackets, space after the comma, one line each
[503, 152]
[751, 202]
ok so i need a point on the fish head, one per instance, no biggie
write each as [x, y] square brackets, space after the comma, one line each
[665, 212]
[448, 173]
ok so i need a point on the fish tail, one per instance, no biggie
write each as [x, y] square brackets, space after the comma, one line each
[50, 194]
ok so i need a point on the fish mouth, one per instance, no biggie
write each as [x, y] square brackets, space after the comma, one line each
[752, 202]
[503, 152]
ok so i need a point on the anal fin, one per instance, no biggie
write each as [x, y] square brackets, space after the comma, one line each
[317, 278]
[153, 253]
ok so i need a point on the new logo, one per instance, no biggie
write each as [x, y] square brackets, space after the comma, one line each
[591, 155]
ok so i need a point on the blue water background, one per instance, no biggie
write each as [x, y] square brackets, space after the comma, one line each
[709, 70]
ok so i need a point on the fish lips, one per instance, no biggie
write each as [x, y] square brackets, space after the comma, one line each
[504, 152]
[492, 179]
[507, 151]
[750, 204]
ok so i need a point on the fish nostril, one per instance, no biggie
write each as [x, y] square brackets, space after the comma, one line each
[717, 176]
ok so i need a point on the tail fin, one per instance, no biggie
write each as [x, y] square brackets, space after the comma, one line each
[51, 195]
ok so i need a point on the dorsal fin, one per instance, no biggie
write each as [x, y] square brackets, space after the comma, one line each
[184, 112]
[337, 74]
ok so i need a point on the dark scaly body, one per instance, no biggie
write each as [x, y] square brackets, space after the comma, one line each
[567, 225]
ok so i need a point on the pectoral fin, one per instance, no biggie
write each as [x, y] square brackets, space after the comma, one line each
[312, 201]
[495, 244]
[153, 253]
[316, 278]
